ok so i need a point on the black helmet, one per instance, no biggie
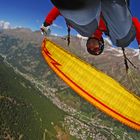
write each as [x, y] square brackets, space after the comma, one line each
[70, 4]
[101, 46]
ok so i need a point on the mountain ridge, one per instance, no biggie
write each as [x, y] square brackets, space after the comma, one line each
[24, 53]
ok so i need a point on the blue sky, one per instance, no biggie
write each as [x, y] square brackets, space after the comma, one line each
[31, 14]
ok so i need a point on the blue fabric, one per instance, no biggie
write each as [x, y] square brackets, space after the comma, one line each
[115, 13]
[117, 17]
[84, 15]
[86, 19]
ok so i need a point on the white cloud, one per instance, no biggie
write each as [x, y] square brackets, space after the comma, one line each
[57, 26]
[108, 40]
[82, 37]
[54, 34]
[7, 25]
[136, 52]
[17, 27]
[4, 25]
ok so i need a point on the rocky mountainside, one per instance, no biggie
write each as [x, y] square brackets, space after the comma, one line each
[22, 49]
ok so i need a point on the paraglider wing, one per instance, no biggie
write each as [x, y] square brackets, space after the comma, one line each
[93, 85]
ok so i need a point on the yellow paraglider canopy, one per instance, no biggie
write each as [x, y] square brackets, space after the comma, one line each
[93, 85]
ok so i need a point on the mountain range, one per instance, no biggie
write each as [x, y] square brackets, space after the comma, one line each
[21, 49]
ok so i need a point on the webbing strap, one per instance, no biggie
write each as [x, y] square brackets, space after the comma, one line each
[126, 60]
[68, 37]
